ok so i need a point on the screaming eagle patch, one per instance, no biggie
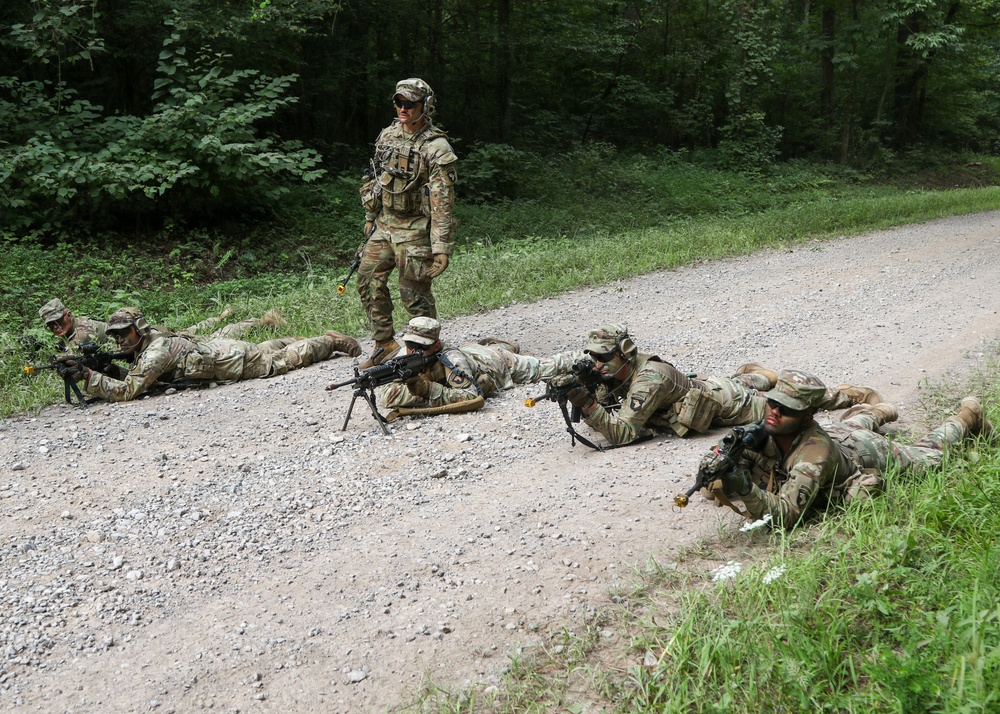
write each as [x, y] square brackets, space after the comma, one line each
[635, 404]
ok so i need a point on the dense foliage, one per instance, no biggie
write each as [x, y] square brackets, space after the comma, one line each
[118, 110]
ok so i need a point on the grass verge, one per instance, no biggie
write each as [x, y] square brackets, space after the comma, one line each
[891, 606]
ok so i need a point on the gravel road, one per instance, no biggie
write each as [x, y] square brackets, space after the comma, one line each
[232, 549]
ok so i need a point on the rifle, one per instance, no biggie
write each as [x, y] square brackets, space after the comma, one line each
[733, 445]
[583, 374]
[90, 356]
[370, 174]
[396, 369]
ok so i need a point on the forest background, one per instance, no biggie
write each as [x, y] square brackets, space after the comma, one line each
[185, 155]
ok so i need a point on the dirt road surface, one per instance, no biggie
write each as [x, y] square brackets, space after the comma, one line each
[231, 549]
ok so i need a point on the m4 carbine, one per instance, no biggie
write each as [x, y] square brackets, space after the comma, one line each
[583, 374]
[396, 369]
[67, 364]
[728, 454]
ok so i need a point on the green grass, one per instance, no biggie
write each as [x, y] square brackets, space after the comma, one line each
[592, 219]
[890, 606]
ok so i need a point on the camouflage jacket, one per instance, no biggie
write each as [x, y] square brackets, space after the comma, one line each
[810, 477]
[646, 398]
[412, 194]
[86, 329]
[168, 358]
[453, 377]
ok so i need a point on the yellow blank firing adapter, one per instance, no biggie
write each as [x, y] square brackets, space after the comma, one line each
[529, 402]
[341, 289]
[680, 501]
[30, 369]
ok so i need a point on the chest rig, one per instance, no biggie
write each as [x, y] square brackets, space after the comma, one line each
[402, 174]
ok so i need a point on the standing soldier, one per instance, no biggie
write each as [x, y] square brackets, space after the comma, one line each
[408, 196]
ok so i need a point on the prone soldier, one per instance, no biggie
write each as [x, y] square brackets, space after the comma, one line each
[646, 392]
[806, 464]
[464, 375]
[167, 357]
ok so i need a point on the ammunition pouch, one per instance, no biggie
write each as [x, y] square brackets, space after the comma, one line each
[695, 412]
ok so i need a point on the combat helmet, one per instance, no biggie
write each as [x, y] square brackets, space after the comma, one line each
[797, 390]
[416, 90]
[126, 317]
[607, 338]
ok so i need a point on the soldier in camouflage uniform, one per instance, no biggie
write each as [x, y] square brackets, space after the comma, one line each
[468, 373]
[72, 331]
[808, 465]
[209, 327]
[408, 199]
[654, 394]
[166, 357]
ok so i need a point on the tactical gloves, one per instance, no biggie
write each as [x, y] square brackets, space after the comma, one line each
[419, 386]
[580, 397]
[736, 482]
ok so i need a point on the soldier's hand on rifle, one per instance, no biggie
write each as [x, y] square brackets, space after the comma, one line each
[74, 370]
[440, 263]
[65, 358]
[736, 481]
[562, 381]
[419, 386]
[580, 397]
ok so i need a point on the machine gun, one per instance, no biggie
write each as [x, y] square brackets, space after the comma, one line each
[396, 369]
[583, 374]
[65, 364]
[734, 443]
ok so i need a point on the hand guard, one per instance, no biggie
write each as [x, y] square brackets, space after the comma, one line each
[419, 386]
[65, 358]
[563, 380]
[714, 463]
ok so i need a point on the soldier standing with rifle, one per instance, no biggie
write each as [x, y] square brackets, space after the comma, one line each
[408, 200]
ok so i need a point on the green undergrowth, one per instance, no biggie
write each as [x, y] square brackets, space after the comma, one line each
[610, 219]
[890, 606]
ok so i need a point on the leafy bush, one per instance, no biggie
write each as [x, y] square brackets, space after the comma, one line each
[61, 159]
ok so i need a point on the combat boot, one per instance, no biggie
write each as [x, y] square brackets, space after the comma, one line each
[754, 368]
[509, 345]
[883, 412]
[383, 351]
[343, 343]
[861, 395]
[273, 318]
[226, 314]
[972, 414]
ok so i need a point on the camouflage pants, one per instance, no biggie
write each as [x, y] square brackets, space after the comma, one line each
[871, 451]
[232, 331]
[412, 261]
[274, 357]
